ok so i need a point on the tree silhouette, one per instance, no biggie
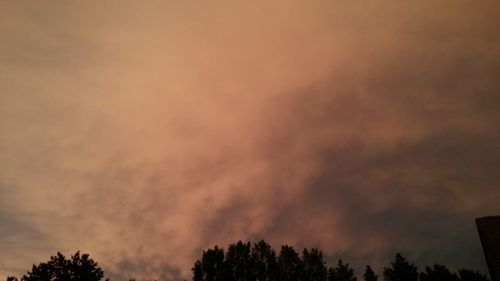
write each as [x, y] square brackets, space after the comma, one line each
[470, 275]
[258, 262]
[211, 266]
[197, 271]
[314, 265]
[264, 262]
[79, 268]
[370, 274]
[290, 265]
[401, 270]
[238, 264]
[342, 272]
[438, 272]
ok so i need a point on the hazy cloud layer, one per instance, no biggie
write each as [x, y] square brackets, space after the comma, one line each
[145, 132]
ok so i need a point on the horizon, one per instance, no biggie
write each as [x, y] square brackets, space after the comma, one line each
[328, 263]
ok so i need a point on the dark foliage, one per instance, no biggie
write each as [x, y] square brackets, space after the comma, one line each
[314, 265]
[80, 267]
[342, 272]
[211, 267]
[370, 274]
[265, 262]
[258, 262]
[401, 270]
[438, 273]
[469, 275]
[239, 265]
[290, 264]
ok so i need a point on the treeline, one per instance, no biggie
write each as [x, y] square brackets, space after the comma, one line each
[260, 262]
[80, 267]
[257, 262]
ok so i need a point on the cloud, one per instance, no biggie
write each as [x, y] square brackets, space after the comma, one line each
[144, 133]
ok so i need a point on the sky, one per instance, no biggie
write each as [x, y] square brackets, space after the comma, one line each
[143, 132]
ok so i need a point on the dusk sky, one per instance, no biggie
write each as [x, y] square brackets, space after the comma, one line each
[143, 132]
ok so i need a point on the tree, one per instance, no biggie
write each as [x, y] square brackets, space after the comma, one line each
[197, 271]
[370, 274]
[401, 270]
[238, 263]
[290, 265]
[79, 268]
[470, 275]
[438, 272]
[314, 265]
[264, 262]
[342, 272]
[211, 266]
